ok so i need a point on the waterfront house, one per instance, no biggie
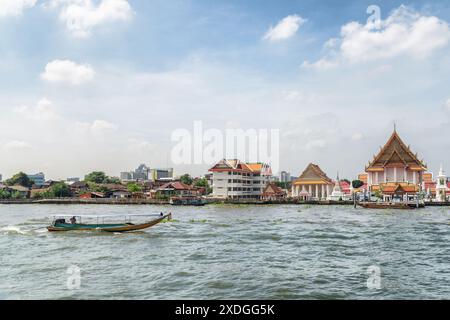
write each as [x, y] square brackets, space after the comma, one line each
[121, 194]
[312, 184]
[24, 192]
[395, 172]
[78, 187]
[235, 179]
[176, 188]
[92, 195]
[273, 192]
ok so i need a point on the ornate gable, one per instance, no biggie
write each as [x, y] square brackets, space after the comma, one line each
[396, 153]
[313, 173]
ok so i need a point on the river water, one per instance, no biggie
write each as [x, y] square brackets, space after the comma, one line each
[229, 252]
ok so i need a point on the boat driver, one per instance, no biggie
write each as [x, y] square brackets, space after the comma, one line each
[73, 220]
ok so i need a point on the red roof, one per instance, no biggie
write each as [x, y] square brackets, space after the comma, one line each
[177, 185]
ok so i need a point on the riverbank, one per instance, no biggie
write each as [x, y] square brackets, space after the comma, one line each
[113, 201]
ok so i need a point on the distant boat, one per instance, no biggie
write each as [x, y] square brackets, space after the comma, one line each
[391, 205]
[187, 201]
[97, 223]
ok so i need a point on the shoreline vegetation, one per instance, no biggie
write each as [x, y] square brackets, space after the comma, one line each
[112, 201]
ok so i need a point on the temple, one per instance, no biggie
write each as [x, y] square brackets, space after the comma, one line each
[396, 172]
[313, 184]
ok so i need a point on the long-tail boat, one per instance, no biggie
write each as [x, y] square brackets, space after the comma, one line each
[97, 223]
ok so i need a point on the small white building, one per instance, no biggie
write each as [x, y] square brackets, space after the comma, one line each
[441, 186]
[234, 179]
[337, 194]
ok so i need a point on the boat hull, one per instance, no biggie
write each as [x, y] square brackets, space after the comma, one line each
[400, 206]
[125, 227]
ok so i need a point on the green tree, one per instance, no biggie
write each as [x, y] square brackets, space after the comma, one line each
[186, 179]
[134, 187]
[203, 183]
[113, 180]
[96, 177]
[17, 195]
[95, 187]
[283, 185]
[4, 194]
[357, 184]
[20, 179]
[60, 190]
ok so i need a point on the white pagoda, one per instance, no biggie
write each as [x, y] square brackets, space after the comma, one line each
[337, 194]
[441, 186]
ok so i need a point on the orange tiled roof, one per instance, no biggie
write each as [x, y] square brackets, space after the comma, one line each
[313, 174]
[396, 152]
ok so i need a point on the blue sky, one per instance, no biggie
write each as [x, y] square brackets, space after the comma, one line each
[101, 84]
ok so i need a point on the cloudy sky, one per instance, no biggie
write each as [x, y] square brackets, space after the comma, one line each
[102, 84]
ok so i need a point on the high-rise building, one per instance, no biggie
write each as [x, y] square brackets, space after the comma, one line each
[234, 179]
[38, 178]
[141, 173]
[161, 174]
[285, 176]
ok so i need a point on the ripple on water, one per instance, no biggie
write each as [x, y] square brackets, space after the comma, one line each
[216, 252]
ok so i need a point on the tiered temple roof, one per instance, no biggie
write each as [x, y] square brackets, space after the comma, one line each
[313, 175]
[395, 153]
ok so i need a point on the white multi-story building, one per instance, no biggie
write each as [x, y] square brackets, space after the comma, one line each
[233, 179]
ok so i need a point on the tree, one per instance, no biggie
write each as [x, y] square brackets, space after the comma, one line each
[203, 183]
[17, 195]
[5, 194]
[357, 184]
[96, 177]
[60, 190]
[283, 185]
[134, 187]
[186, 179]
[113, 180]
[20, 179]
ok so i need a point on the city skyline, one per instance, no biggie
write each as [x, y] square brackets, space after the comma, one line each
[105, 89]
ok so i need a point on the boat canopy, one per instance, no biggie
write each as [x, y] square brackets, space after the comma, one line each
[106, 216]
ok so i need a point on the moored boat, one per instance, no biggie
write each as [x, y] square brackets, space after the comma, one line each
[392, 205]
[187, 201]
[97, 223]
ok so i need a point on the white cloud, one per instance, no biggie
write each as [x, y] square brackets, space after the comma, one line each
[15, 7]
[97, 128]
[81, 16]
[44, 110]
[66, 71]
[285, 29]
[316, 144]
[322, 64]
[16, 145]
[405, 33]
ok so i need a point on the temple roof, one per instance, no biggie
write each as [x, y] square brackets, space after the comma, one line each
[313, 174]
[395, 152]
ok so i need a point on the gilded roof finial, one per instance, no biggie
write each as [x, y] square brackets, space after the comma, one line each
[395, 127]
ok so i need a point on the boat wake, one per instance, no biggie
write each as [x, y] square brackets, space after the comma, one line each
[19, 230]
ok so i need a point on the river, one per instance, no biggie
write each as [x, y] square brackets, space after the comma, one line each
[229, 252]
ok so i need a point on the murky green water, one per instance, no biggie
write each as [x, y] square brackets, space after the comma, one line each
[229, 252]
